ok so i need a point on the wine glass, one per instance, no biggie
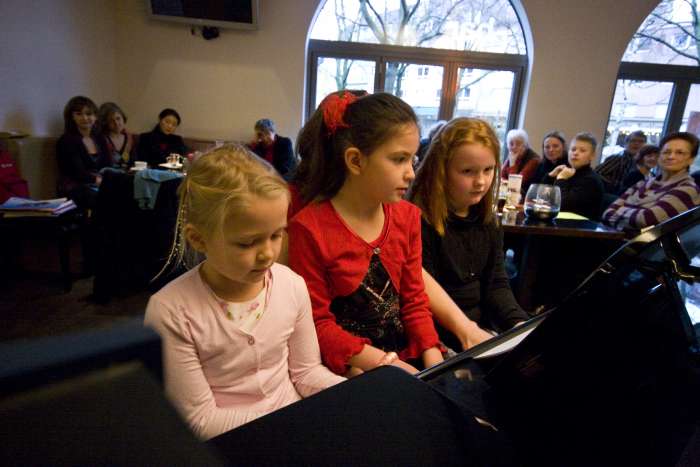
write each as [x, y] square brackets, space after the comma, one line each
[542, 202]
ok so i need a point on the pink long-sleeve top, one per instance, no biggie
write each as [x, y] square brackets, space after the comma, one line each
[220, 377]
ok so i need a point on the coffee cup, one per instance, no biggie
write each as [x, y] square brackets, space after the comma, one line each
[140, 165]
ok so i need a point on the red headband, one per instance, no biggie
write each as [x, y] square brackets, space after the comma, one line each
[333, 107]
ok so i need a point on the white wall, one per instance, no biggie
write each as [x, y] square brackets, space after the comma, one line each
[112, 50]
[50, 51]
[578, 47]
[219, 87]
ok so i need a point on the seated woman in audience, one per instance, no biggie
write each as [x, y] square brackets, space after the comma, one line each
[646, 161]
[462, 244]
[274, 148]
[581, 188]
[155, 146]
[81, 153]
[554, 152]
[120, 143]
[659, 198]
[521, 158]
[238, 335]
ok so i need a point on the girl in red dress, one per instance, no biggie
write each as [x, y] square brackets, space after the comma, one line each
[357, 243]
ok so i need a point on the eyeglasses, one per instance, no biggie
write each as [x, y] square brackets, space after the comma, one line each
[677, 152]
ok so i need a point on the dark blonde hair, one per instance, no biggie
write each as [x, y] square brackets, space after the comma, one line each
[370, 120]
[105, 112]
[586, 137]
[429, 188]
[218, 184]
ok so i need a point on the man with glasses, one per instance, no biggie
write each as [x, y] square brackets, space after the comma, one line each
[615, 167]
[659, 198]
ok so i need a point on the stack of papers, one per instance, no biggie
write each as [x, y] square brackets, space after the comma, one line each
[24, 207]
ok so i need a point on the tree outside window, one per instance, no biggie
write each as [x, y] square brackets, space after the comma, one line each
[421, 50]
[658, 72]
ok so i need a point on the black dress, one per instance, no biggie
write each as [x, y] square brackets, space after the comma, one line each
[155, 146]
[468, 263]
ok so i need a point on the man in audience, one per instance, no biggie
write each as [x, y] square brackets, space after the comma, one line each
[275, 149]
[615, 167]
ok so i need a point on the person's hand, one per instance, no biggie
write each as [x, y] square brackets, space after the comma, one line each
[432, 356]
[98, 180]
[353, 371]
[555, 172]
[388, 359]
[566, 173]
[392, 358]
[474, 336]
[405, 366]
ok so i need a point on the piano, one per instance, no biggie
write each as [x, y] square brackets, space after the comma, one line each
[610, 376]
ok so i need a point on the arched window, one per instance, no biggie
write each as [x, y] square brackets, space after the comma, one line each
[445, 58]
[658, 85]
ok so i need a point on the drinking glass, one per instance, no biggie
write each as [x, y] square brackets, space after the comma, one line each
[542, 202]
[502, 196]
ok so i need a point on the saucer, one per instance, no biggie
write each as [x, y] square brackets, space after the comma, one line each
[168, 165]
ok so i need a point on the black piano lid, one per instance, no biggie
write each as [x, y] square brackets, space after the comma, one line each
[610, 375]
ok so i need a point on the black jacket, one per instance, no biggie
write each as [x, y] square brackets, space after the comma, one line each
[547, 166]
[582, 193]
[75, 165]
[155, 146]
[283, 158]
[468, 263]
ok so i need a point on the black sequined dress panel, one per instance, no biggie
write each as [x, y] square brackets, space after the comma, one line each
[373, 310]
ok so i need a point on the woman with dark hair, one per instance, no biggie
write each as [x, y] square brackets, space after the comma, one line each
[554, 152]
[81, 153]
[120, 142]
[645, 161]
[155, 146]
[659, 198]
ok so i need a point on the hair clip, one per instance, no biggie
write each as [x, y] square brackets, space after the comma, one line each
[333, 107]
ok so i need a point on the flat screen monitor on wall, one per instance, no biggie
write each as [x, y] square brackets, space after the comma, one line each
[236, 14]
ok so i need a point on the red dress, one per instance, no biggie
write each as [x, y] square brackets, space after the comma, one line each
[342, 271]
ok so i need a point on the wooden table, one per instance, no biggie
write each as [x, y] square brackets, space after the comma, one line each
[515, 222]
[556, 263]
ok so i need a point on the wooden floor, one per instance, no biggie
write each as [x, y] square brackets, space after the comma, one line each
[33, 303]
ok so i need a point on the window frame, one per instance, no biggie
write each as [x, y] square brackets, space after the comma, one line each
[680, 76]
[450, 60]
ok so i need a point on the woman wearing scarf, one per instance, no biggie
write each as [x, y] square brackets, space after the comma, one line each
[656, 199]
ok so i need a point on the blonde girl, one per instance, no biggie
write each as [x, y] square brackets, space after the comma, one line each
[238, 335]
[462, 244]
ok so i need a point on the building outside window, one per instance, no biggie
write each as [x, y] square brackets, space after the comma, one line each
[658, 85]
[445, 58]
